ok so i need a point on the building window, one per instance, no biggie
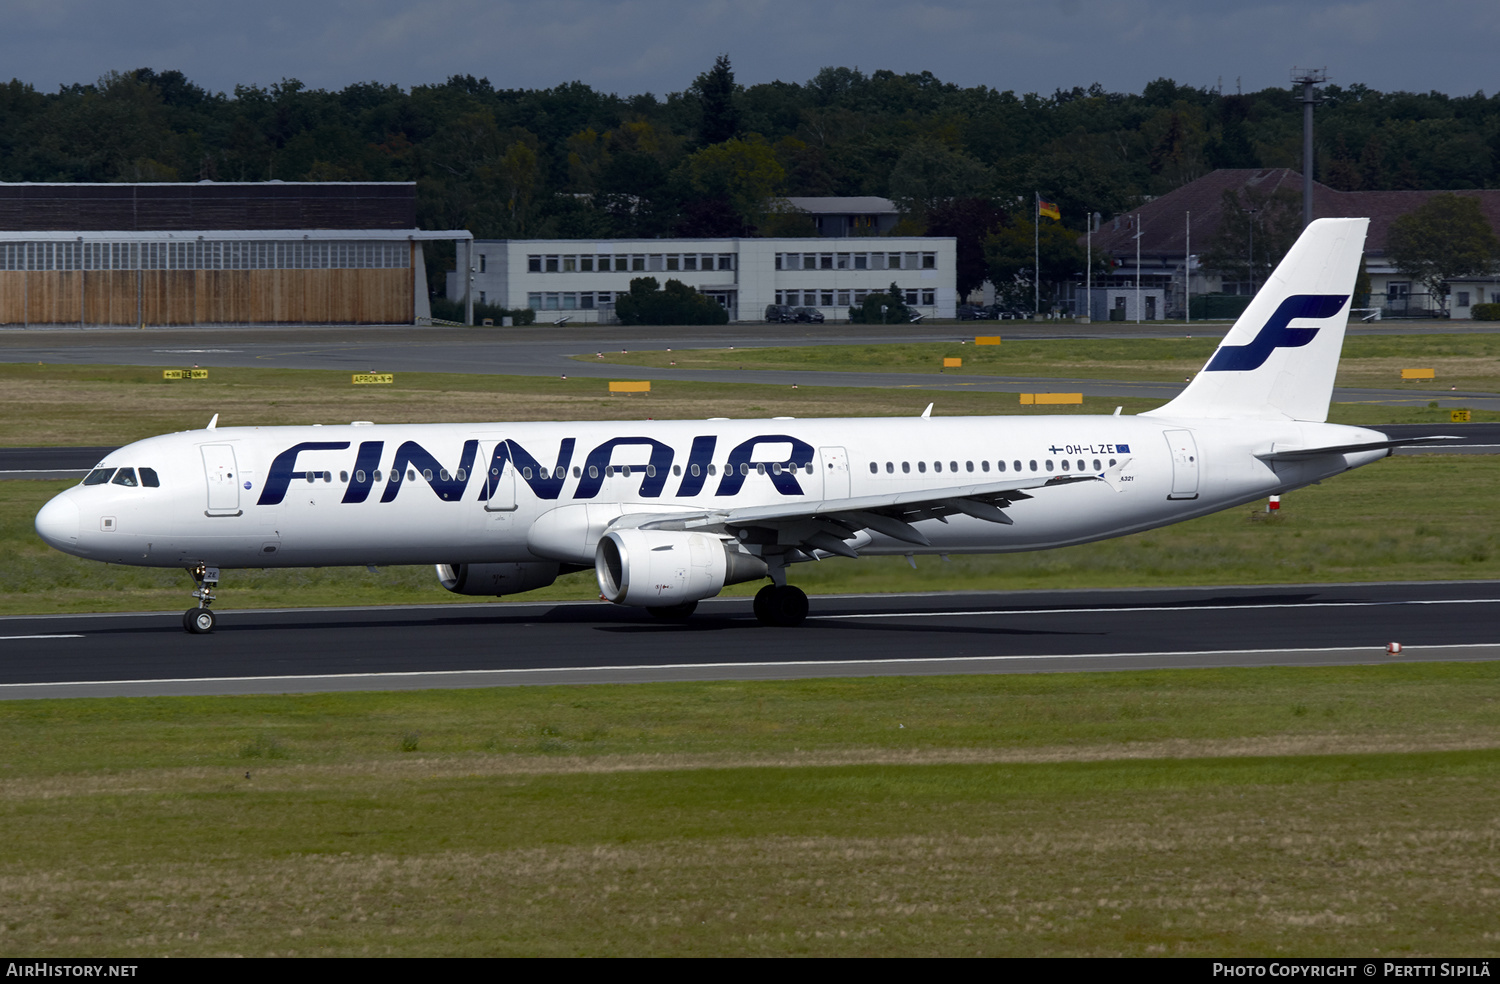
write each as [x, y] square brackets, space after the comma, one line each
[1463, 298]
[690, 262]
[549, 302]
[893, 261]
[827, 298]
[533, 264]
[911, 297]
[481, 298]
[674, 262]
[552, 262]
[929, 261]
[726, 261]
[929, 297]
[843, 300]
[861, 261]
[586, 300]
[586, 264]
[655, 262]
[481, 263]
[637, 263]
[825, 261]
[534, 301]
[570, 264]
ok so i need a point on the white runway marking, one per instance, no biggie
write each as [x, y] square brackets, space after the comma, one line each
[13, 638]
[1375, 653]
[1169, 608]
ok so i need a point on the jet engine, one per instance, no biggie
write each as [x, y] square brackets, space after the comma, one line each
[662, 568]
[496, 579]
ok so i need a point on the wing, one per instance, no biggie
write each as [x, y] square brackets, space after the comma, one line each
[826, 524]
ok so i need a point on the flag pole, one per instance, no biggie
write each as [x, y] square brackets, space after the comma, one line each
[1036, 254]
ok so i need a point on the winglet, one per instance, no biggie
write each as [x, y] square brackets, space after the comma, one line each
[213, 424]
[928, 412]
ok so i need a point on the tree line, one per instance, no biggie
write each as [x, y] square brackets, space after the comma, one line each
[716, 158]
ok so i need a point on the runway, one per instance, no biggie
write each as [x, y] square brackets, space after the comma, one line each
[548, 351]
[510, 644]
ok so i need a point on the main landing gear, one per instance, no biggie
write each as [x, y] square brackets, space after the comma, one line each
[200, 620]
[781, 604]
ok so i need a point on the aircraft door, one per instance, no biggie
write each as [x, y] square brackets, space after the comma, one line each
[223, 482]
[1184, 464]
[834, 464]
[501, 478]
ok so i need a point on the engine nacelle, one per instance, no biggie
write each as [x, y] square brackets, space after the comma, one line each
[661, 568]
[496, 579]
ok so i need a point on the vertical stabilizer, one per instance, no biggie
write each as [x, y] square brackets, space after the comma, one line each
[1279, 359]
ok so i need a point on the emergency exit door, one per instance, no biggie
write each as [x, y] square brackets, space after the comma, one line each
[1184, 464]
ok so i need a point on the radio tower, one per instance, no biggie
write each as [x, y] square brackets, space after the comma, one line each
[1308, 78]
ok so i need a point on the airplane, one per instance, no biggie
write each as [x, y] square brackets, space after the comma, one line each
[668, 513]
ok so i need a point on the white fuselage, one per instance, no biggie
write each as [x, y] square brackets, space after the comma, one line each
[475, 493]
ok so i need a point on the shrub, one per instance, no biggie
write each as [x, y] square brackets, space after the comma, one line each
[1485, 312]
[675, 304]
[868, 311]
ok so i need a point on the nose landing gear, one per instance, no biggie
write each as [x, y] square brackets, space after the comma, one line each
[200, 620]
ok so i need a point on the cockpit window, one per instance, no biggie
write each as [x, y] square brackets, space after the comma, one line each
[98, 476]
[149, 479]
[125, 476]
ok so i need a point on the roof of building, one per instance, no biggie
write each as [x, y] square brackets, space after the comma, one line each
[867, 205]
[159, 206]
[1162, 220]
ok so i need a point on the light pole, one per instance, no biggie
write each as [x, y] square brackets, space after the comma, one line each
[1252, 212]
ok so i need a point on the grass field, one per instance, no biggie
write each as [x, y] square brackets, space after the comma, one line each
[1470, 362]
[1405, 518]
[43, 405]
[1312, 811]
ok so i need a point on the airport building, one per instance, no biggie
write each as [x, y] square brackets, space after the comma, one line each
[1174, 229]
[212, 253]
[580, 280]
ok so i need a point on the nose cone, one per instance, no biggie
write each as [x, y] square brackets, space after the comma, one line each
[57, 523]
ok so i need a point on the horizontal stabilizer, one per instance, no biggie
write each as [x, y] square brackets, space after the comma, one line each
[1293, 454]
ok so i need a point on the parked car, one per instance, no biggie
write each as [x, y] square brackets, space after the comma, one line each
[780, 314]
[809, 314]
[973, 312]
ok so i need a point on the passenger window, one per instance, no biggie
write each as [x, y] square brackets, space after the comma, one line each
[98, 476]
[890, 467]
[443, 474]
[577, 472]
[874, 469]
[411, 474]
[953, 466]
[359, 477]
[377, 476]
[461, 475]
[1064, 464]
[1033, 465]
[937, 466]
[343, 476]
[985, 466]
[676, 469]
[922, 467]
[427, 474]
[1111, 462]
[906, 467]
[1017, 465]
[149, 479]
[999, 465]
[713, 469]
[1082, 465]
[744, 468]
[968, 466]
[125, 476]
[1049, 464]
[694, 470]
[593, 471]
[1096, 465]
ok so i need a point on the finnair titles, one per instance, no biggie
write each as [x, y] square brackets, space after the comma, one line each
[669, 512]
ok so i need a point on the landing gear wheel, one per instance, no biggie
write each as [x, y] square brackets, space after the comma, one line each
[674, 613]
[198, 620]
[783, 605]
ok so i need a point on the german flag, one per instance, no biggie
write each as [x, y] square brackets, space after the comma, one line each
[1049, 209]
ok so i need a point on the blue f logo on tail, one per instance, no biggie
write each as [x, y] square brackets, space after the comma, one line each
[1275, 334]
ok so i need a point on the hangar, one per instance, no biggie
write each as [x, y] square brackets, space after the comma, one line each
[212, 253]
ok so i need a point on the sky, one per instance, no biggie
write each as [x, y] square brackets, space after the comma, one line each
[660, 46]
